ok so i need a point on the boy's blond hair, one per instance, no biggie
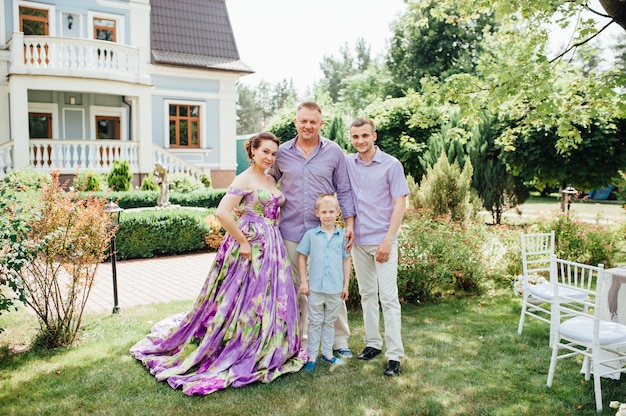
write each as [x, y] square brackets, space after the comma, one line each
[326, 197]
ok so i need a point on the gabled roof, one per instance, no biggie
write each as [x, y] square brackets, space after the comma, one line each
[195, 33]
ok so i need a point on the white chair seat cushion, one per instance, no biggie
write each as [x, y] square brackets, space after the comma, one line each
[545, 291]
[581, 328]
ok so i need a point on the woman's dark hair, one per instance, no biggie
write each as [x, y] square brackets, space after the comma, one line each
[255, 141]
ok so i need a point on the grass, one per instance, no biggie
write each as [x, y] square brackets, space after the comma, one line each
[463, 357]
[537, 207]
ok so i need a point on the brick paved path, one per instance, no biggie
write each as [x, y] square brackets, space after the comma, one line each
[147, 281]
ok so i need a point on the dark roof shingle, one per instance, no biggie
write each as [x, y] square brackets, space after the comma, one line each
[194, 33]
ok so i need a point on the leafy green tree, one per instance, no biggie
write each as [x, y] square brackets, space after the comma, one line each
[338, 132]
[257, 105]
[593, 164]
[422, 45]
[282, 124]
[620, 52]
[337, 70]
[539, 11]
[496, 186]
[514, 74]
[363, 88]
[283, 94]
[397, 135]
[250, 113]
[450, 140]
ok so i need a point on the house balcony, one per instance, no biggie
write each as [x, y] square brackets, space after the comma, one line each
[72, 57]
[72, 156]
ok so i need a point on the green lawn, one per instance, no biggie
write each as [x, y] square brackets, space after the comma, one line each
[536, 207]
[463, 357]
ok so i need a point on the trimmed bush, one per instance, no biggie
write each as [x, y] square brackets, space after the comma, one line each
[26, 179]
[183, 183]
[120, 177]
[206, 180]
[87, 181]
[205, 199]
[144, 234]
[209, 198]
[147, 184]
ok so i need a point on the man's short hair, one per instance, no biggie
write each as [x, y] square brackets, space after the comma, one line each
[361, 121]
[309, 105]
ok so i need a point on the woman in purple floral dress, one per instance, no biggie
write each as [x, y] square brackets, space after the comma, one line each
[243, 327]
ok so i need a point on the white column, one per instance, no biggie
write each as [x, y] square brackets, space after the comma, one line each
[142, 128]
[139, 36]
[18, 105]
[228, 124]
[5, 127]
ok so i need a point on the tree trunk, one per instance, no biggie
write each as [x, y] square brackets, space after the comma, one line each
[617, 10]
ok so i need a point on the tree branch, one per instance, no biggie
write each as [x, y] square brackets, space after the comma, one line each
[582, 42]
[597, 12]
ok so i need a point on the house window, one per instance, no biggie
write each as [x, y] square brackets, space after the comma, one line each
[33, 21]
[40, 125]
[104, 29]
[184, 125]
[107, 127]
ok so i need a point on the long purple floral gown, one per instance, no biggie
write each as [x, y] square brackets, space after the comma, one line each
[243, 327]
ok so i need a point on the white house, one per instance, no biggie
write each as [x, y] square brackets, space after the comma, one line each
[83, 83]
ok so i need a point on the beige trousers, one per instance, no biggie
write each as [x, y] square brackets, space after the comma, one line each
[378, 284]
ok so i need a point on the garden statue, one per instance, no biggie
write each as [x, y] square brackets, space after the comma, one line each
[159, 176]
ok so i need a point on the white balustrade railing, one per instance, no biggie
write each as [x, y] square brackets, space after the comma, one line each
[85, 57]
[71, 156]
[175, 164]
[68, 156]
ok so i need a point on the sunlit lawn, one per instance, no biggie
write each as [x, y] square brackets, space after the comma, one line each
[463, 357]
[589, 210]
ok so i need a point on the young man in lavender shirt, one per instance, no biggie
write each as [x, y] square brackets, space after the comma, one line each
[307, 166]
[380, 188]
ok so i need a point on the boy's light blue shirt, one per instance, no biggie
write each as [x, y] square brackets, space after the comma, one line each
[325, 259]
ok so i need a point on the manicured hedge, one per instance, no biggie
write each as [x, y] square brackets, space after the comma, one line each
[209, 198]
[152, 232]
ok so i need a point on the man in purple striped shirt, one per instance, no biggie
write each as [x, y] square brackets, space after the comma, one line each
[308, 166]
[380, 188]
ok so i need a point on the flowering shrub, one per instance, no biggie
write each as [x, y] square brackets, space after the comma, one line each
[583, 242]
[71, 236]
[533, 279]
[441, 256]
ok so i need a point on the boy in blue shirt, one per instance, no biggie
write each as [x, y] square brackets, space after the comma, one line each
[326, 283]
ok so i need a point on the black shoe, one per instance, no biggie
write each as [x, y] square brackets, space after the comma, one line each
[393, 368]
[368, 353]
